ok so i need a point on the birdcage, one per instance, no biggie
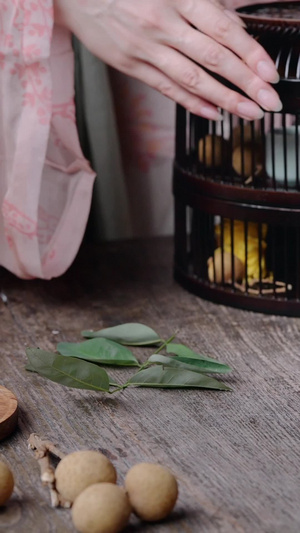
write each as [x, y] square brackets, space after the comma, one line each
[236, 187]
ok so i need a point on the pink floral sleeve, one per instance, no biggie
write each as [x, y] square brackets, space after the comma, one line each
[45, 182]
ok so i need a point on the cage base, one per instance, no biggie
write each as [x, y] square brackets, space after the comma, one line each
[217, 294]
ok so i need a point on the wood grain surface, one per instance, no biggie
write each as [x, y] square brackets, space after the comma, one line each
[8, 412]
[236, 454]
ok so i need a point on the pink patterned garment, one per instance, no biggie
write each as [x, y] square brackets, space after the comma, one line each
[45, 182]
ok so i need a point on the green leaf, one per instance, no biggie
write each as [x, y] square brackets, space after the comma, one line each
[209, 366]
[99, 350]
[157, 376]
[184, 352]
[29, 368]
[68, 371]
[113, 383]
[195, 365]
[132, 334]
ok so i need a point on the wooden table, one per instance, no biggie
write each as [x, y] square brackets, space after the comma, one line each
[236, 454]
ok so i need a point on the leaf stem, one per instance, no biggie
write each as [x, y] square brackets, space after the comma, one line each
[142, 367]
[165, 343]
[146, 364]
[121, 387]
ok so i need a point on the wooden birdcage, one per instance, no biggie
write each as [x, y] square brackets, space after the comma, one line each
[236, 187]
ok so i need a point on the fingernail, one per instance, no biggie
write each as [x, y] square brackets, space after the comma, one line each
[269, 100]
[249, 111]
[210, 113]
[235, 17]
[267, 71]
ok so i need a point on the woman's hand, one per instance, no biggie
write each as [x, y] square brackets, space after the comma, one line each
[172, 45]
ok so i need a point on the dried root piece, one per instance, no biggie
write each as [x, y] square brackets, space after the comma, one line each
[36, 443]
[43, 450]
[268, 286]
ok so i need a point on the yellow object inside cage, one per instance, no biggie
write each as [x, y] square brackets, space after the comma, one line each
[247, 243]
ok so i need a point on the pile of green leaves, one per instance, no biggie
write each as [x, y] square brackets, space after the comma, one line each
[79, 364]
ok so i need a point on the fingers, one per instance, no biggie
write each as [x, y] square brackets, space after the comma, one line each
[213, 21]
[229, 13]
[218, 59]
[233, 16]
[196, 81]
[162, 83]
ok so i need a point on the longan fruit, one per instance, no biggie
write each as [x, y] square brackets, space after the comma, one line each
[152, 490]
[101, 508]
[239, 267]
[77, 470]
[242, 157]
[245, 133]
[216, 150]
[6, 483]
